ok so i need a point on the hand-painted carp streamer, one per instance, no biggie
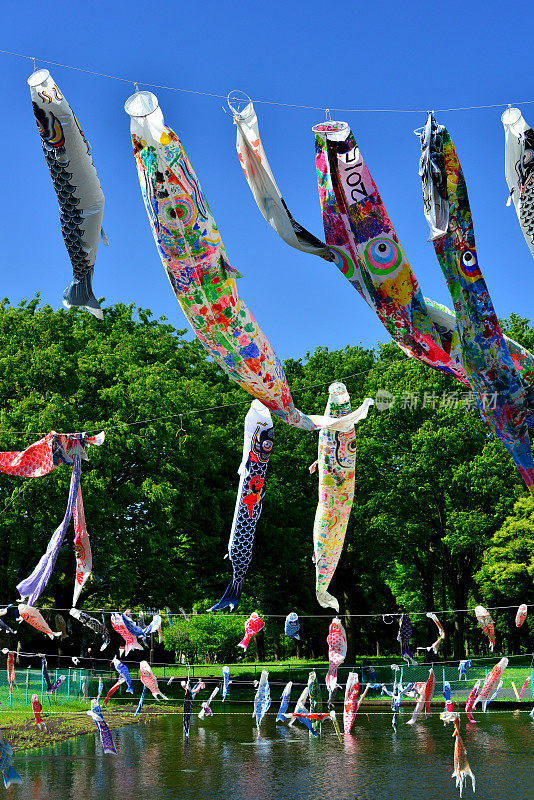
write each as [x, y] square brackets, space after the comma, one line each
[352, 701]
[9, 773]
[257, 447]
[61, 625]
[263, 186]
[262, 700]
[499, 391]
[106, 738]
[490, 683]
[93, 624]
[462, 770]
[519, 169]
[195, 260]
[449, 705]
[429, 690]
[300, 705]
[284, 702]
[82, 548]
[292, 625]
[521, 615]
[149, 680]
[81, 200]
[337, 650]
[253, 625]
[188, 706]
[316, 699]
[37, 709]
[139, 632]
[469, 703]
[124, 677]
[196, 264]
[463, 666]
[486, 623]
[367, 250]
[419, 689]
[519, 695]
[336, 461]
[34, 618]
[403, 637]
[437, 644]
[46, 676]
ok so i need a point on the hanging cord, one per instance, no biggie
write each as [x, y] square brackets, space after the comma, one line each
[264, 102]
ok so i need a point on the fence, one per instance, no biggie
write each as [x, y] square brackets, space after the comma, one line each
[30, 681]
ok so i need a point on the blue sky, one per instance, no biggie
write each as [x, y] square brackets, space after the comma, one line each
[336, 55]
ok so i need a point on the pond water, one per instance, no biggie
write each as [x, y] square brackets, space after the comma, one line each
[224, 759]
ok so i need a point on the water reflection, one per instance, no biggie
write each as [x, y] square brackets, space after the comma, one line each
[225, 758]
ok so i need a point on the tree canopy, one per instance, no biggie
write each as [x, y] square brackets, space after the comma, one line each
[435, 491]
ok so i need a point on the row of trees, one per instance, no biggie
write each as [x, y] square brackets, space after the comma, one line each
[440, 519]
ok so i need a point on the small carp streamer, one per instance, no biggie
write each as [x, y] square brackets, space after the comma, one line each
[521, 615]
[316, 699]
[34, 618]
[93, 624]
[462, 770]
[262, 699]
[434, 647]
[9, 773]
[490, 684]
[149, 680]
[37, 709]
[292, 625]
[106, 739]
[336, 461]
[253, 625]
[519, 169]
[337, 651]
[469, 703]
[75, 180]
[499, 392]
[352, 701]
[403, 637]
[196, 263]
[486, 623]
[257, 447]
[284, 702]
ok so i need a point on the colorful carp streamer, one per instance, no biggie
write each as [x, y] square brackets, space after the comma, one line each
[37, 710]
[9, 773]
[519, 169]
[206, 711]
[462, 770]
[225, 682]
[316, 699]
[253, 625]
[486, 623]
[337, 650]
[10, 668]
[196, 264]
[469, 703]
[300, 705]
[499, 391]
[336, 461]
[106, 738]
[81, 200]
[262, 699]
[149, 680]
[130, 641]
[32, 586]
[491, 683]
[352, 701]
[257, 447]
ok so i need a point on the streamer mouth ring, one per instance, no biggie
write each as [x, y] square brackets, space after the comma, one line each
[330, 126]
[511, 116]
[141, 104]
[241, 103]
[38, 77]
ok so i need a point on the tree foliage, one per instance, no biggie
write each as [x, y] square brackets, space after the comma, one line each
[433, 486]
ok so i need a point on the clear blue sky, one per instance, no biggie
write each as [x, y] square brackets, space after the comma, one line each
[413, 55]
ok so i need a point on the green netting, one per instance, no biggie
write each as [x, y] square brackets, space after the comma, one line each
[31, 681]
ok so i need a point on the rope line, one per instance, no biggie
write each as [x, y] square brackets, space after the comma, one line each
[264, 102]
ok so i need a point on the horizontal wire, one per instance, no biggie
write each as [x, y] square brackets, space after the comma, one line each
[264, 102]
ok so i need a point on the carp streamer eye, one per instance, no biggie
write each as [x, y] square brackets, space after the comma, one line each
[383, 256]
[469, 266]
